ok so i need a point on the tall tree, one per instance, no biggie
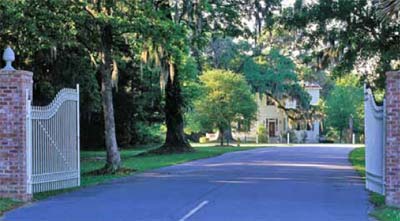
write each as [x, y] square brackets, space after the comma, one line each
[170, 53]
[65, 35]
[189, 22]
[227, 99]
[388, 8]
[344, 102]
[274, 75]
[337, 35]
[103, 15]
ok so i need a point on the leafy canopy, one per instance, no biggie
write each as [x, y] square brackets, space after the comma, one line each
[344, 102]
[274, 74]
[227, 98]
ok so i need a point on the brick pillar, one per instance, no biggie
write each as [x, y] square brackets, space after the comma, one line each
[392, 152]
[13, 108]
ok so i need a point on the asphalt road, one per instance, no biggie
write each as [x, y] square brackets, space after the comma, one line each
[267, 184]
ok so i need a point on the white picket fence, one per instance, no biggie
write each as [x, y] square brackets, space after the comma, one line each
[53, 143]
[374, 143]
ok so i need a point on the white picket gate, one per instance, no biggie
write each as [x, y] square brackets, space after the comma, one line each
[375, 133]
[53, 143]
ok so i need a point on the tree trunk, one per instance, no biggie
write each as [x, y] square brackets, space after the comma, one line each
[228, 135]
[113, 157]
[175, 141]
[221, 135]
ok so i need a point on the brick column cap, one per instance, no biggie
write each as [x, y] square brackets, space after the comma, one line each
[15, 72]
[389, 73]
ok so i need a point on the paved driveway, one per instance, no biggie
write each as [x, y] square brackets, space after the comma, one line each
[268, 184]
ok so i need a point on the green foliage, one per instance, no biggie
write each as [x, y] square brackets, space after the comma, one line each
[227, 98]
[62, 43]
[336, 35]
[192, 124]
[262, 134]
[275, 75]
[268, 71]
[379, 96]
[357, 159]
[345, 101]
[191, 88]
[387, 214]
[8, 204]
[377, 199]
[148, 134]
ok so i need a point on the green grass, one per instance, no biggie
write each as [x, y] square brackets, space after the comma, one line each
[93, 160]
[357, 158]
[382, 212]
[377, 199]
[386, 214]
[7, 204]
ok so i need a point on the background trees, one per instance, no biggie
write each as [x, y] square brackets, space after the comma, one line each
[344, 37]
[344, 108]
[140, 61]
[227, 98]
[340, 35]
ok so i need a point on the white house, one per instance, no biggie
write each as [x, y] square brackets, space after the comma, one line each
[277, 122]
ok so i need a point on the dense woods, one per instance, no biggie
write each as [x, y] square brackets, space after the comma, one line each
[139, 62]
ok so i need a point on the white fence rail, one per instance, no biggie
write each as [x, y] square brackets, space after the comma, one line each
[374, 143]
[245, 137]
[53, 143]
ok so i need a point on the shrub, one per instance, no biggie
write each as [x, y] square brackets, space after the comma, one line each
[148, 134]
[262, 134]
[204, 140]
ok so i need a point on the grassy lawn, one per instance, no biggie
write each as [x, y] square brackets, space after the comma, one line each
[382, 212]
[92, 160]
[7, 204]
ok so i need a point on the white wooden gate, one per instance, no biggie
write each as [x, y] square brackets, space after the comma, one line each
[374, 143]
[53, 143]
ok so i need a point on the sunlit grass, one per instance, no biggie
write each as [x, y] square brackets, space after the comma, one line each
[357, 158]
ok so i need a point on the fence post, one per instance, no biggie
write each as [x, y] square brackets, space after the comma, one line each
[392, 152]
[28, 136]
[78, 134]
[15, 88]
[288, 138]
